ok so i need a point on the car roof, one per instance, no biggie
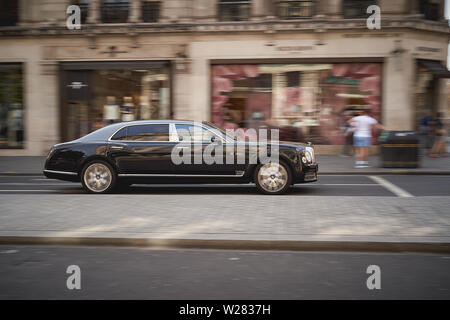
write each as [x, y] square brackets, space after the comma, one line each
[152, 122]
[106, 132]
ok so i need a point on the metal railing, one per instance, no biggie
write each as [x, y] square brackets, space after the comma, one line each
[234, 10]
[150, 11]
[356, 8]
[430, 10]
[9, 13]
[115, 12]
[84, 9]
[296, 9]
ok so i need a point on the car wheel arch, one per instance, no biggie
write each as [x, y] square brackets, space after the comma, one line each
[91, 159]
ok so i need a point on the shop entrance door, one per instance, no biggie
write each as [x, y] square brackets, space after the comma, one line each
[75, 116]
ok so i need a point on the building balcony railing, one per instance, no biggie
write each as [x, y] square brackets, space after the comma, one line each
[296, 9]
[150, 11]
[234, 10]
[84, 8]
[430, 10]
[9, 13]
[115, 12]
[356, 8]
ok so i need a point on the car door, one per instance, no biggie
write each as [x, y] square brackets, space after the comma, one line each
[207, 150]
[142, 149]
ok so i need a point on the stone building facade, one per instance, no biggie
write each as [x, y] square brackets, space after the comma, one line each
[301, 66]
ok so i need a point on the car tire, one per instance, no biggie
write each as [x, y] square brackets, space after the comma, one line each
[98, 176]
[273, 178]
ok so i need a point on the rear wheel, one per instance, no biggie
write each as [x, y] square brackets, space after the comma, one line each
[273, 178]
[98, 177]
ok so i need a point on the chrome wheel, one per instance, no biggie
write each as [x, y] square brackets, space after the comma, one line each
[97, 177]
[272, 177]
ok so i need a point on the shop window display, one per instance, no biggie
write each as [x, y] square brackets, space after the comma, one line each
[11, 106]
[96, 98]
[306, 102]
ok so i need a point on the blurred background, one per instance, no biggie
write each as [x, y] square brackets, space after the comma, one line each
[303, 67]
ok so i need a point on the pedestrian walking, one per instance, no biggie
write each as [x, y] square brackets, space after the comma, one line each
[426, 131]
[439, 148]
[347, 132]
[362, 136]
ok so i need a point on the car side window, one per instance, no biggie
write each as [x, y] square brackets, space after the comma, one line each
[188, 132]
[121, 134]
[151, 132]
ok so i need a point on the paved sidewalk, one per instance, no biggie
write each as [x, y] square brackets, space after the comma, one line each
[327, 165]
[336, 164]
[306, 219]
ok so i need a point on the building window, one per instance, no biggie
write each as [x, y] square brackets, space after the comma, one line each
[96, 94]
[115, 11]
[234, 10]
[296, 9]
[305, 102]
[9, 13]
[150, 10]
[84, 7]
[11, 105]
[430, 9]
[357, 8]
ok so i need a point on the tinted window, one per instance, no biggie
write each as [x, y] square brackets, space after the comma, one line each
[188, 132]
[153, 132]
[121, 134]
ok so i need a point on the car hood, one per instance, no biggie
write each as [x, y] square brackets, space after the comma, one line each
[294, 144]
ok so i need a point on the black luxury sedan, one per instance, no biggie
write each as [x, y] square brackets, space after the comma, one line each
[175, 151]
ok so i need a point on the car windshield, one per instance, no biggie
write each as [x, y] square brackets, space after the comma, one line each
[221, 130]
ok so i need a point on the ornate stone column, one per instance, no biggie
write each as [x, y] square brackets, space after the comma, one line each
[135, 15]
[205, 9]
[94, 11]
[334, 8]
[320, 9]
[260, 9]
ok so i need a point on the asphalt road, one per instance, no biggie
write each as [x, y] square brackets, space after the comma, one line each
[39, 272]
[397, 185]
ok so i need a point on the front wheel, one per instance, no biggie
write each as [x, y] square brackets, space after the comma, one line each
[98, 177]
[273, 178]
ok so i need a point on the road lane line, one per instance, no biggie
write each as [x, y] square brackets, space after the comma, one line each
[35, 184]
[340, 184]
[35, 190]
[399, 192]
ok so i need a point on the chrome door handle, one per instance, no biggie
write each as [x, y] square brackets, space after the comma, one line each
[117, 147]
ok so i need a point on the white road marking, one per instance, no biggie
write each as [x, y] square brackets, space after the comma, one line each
[35, 190]
[399, 192]
[339, 184]
[35, 184]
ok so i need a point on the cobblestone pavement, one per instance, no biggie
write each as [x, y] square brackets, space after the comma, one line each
[237, 217]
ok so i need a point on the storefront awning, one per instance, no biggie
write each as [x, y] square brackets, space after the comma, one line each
[436, 68]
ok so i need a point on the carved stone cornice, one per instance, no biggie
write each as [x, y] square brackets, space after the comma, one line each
[409, 22]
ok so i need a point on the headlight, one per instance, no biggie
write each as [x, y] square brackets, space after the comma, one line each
[309, 154]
